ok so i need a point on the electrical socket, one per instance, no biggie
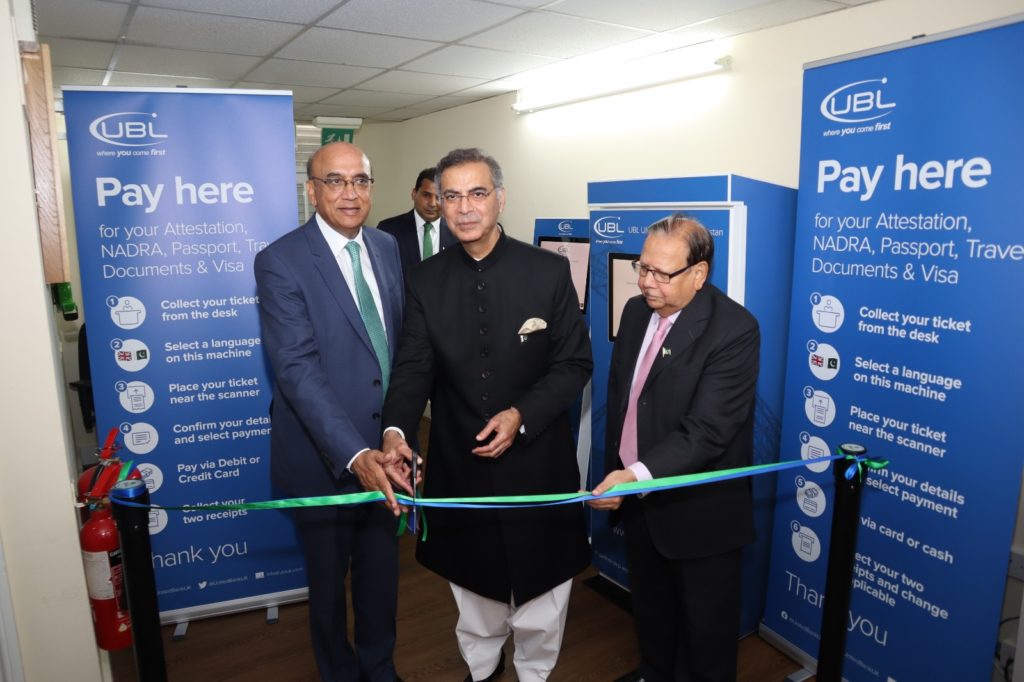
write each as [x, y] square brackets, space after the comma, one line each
[1016, 569]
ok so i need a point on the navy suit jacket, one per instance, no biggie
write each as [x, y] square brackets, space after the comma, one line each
[327, 392]
[403, 227]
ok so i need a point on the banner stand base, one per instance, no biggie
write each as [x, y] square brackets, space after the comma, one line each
[810, 665]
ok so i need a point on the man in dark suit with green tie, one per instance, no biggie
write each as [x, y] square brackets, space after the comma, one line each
[421, 232]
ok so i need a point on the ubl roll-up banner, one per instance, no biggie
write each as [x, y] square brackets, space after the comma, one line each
[904, 337]
[175, 191]
[752, 225]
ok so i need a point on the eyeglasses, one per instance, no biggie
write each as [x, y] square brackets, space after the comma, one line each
[659, 276]
[334, 183]
[475, 196]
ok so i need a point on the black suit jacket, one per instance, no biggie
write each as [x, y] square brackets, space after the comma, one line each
[694, 414]
[461, 346]
[403, 227]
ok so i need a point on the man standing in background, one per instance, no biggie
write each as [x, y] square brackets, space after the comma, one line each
[420, 233]
[330, 297]
[681, 401]
[494, 336]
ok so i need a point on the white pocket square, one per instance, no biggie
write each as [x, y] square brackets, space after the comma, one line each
[532, 325]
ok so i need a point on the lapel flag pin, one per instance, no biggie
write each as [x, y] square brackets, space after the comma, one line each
[665, 352]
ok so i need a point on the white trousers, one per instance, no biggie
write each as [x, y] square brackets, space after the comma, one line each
[537, 627]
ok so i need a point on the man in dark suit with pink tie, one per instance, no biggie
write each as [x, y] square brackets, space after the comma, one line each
[681, 401]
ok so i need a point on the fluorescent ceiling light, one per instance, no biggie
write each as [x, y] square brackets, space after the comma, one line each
[337, 122]
[592, 78]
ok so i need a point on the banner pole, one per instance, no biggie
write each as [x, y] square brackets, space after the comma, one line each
[841, 553]
[139, 580]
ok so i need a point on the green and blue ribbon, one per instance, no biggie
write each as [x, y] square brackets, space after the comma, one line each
[857, 466]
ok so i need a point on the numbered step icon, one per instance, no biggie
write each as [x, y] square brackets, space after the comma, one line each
[127, 312]
[827, 312]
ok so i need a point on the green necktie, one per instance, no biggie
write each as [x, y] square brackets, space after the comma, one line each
[368, 311]
[428, 241]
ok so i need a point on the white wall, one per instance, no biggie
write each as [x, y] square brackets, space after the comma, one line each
[745, 121]
[38, 527]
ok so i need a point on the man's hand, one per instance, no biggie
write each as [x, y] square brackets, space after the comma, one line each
[610, 481]
[504, 425]
[400, 456]
[373, 469]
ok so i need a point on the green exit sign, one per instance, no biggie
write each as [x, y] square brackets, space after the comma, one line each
[328, 135]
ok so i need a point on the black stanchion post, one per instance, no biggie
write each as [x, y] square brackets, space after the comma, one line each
[841, 551]
[140, 583]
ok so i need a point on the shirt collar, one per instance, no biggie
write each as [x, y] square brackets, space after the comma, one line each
[336, 241]
[420, 222]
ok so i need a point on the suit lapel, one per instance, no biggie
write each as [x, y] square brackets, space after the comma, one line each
[327, 265]
[385, 283]
[690, 324]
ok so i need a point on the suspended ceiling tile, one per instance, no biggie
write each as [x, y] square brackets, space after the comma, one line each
[755, 18]
[419, 83]
[444, 21]
[70, 76]
[302, 94]
[306, 73]
[121, 79]
[80, 19]
[370, 98]
[193, 31]
[490, 89]
[530, 4]
[161, 60]
[654, 15]
[439, 104]
[460, 60]
[552, 35]
[294, 12]
[357, 49]
[86, 54]
[394, 116]
[309, 111]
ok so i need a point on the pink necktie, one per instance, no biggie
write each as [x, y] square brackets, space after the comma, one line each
[628, 442]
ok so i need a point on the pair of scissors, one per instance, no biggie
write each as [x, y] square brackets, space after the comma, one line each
[412, 512]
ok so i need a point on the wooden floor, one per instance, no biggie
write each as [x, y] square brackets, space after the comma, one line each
[599, 641]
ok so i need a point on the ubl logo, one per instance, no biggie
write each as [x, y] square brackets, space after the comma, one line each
[608, 226]
[127, 129]
[856, 102]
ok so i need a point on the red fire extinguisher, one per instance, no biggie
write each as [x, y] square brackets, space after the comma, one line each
[101, 554]
[97, 480]
[101, 551]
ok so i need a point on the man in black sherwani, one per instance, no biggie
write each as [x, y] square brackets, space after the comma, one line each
[493, 335]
